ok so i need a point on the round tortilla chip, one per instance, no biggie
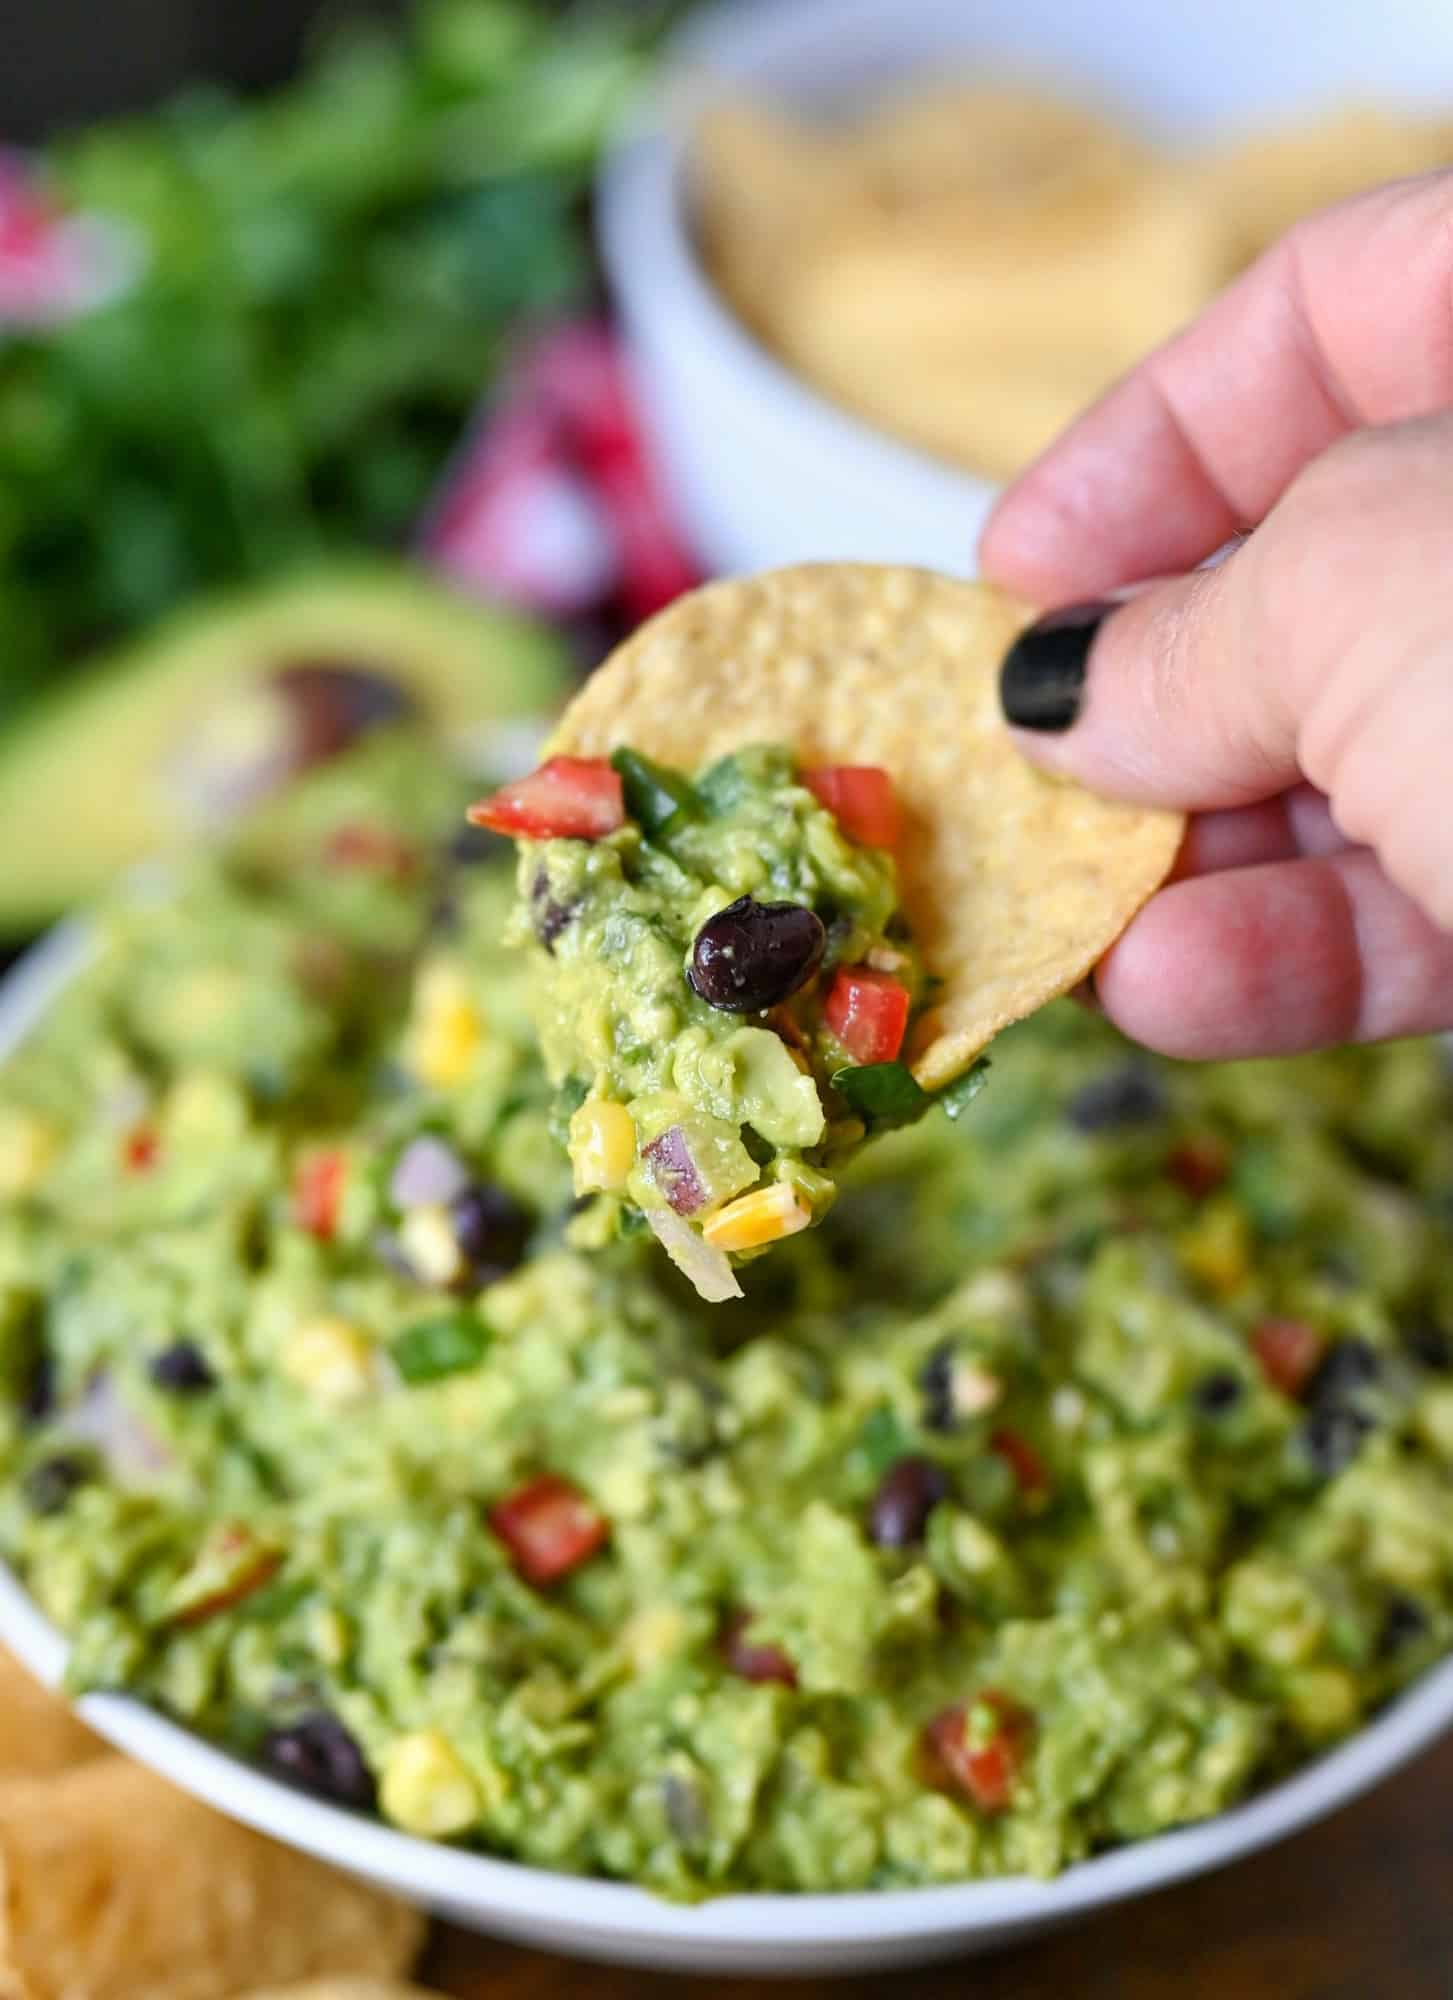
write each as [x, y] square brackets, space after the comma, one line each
[1015, 883]
[38, 1732]
[115, 1886]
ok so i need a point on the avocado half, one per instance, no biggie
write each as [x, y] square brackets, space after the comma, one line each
[89, 778]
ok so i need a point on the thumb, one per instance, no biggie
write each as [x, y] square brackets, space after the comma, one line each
[1321, 649]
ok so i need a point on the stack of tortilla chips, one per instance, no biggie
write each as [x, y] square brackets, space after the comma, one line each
[114, 1886]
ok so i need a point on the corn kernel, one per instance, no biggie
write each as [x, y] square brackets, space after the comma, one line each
[329, 1635]
[203, 1107]
[763, 1216]
[602, 1146]
[973, 1390]
[654, 1636]
[428, 1241]
[1216, 1248]
[330, 1358]
[1323, 1701]
[425, 1788]
[883, 958]
[448, 1028]
[28, 1147]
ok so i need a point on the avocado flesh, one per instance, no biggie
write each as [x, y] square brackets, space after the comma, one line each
[87, 778]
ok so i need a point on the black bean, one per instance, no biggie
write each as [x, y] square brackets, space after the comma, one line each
[1130, 1095]
[49, 1485]
[1349, 1366]
[317, 1754]
[1215, 1394]
[936, 1380]
[491, 1230]
[907, 1494]
[1429, 1346]
[334, 702]
[182, 1369]
[1404, 1621]
[548, 916]
[39, 1399]
[1332, 1436]
[752, 955]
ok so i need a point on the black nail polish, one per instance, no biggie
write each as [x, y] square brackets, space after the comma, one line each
[1044, 670]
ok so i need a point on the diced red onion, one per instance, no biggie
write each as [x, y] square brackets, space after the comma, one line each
[672, 1168]
[705, 1266]
[134, 1454]
[428, 1174]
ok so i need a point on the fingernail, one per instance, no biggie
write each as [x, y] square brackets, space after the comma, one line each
[1043, 673]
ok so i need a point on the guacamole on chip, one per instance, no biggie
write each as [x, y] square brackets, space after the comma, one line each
[749, 956]
[1087, 1467]
[724, 982]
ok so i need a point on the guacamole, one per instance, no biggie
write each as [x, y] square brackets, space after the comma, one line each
[1081, 1472]
[723, 984]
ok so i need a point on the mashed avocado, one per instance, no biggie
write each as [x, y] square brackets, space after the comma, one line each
[1081, 1472]
[723, 983]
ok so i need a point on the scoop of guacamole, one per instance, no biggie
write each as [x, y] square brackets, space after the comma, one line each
[1080, 1473]
[723, 985]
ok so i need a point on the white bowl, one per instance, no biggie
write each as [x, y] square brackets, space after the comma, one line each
[763, 469]
[765, 1934]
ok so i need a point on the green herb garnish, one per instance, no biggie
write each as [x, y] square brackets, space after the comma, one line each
[957, 1096]
[884, 1094]
[883, 1440]
[654, 796]
[433, 1348]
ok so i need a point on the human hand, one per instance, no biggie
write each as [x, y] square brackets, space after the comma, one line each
[1298, 697]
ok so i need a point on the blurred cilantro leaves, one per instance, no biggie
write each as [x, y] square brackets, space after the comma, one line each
[333, 272]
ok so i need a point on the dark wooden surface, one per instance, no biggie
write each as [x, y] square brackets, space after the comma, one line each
[1358, 1908]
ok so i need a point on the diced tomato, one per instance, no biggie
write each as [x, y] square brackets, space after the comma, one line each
[241, 1565]
[985, 1766]
[140, 1149]
[754, 1662]
[1288, 1352]
[318, 1184]
[868, 1012]
[373, 849]
[568, 798]
[861, 799]
[549, 1527]
[1199, 1166]
[1031, 1474]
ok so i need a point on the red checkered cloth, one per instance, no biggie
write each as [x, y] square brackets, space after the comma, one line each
[552, 502]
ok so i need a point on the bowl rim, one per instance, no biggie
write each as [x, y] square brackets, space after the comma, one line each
[655, 270]
[460, 1879]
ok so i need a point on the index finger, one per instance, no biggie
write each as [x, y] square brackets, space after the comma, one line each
[1344, 323]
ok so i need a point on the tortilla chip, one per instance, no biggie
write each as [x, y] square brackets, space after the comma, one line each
[763, 184]
[38, 1732]
[114, 1886]
[991, 139]
[1263, 184]
[1015, 883]
[343, 1989]
[896, 260]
